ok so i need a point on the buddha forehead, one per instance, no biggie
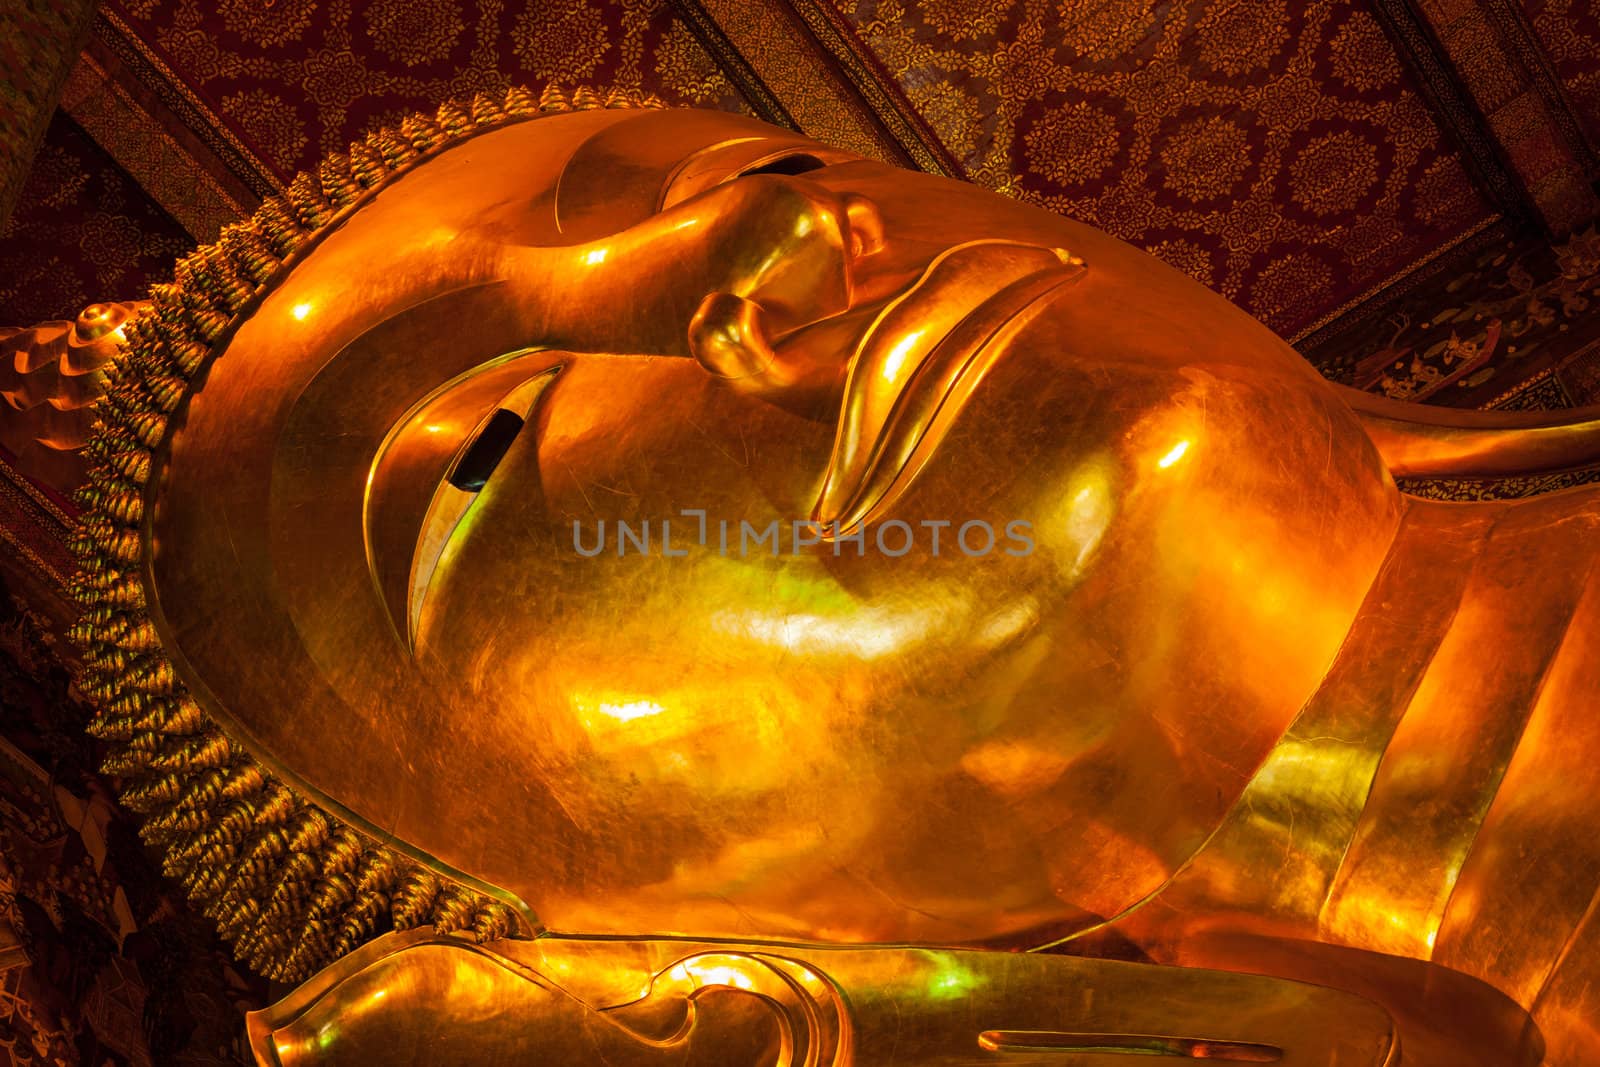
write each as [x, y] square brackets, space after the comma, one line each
[380, 510]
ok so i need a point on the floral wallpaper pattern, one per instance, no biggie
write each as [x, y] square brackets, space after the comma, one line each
[296, 79]
[1278, 152]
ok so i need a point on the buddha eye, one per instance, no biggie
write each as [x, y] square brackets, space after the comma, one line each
[437, 466]
[792, 164]
[471, 470]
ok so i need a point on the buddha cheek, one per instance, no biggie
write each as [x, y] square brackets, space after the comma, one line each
[657, 690]
[689, 736]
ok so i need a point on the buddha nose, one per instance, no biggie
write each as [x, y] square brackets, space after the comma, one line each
[731, 335]
[865, 226]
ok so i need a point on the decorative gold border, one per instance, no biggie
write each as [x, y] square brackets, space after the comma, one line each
[38, 497]
[37, 510]
[35, 562]
[1503, 401]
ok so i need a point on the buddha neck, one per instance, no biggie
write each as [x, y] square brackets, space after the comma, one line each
[1392, 814]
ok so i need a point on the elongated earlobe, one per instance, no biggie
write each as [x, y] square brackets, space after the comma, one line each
[1420, 440]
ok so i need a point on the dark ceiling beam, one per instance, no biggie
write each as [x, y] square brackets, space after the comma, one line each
[114, 44]
[800, 66]
[877, 87]
[734, 66]
[39, 42]
[1455, 110]
[168, 161]
[1519, 36]
[1514, 141]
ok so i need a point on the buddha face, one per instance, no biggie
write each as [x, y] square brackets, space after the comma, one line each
[688, 528]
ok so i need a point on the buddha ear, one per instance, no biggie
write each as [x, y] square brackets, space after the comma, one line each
[1423, 441]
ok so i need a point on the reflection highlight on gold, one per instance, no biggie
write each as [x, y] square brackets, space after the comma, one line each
[1174, 454]
[1310, 758]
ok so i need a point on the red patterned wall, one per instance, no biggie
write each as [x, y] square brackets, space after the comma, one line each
[295, 79]
[1277, 151]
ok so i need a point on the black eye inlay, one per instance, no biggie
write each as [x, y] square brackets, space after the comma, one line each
[471, 472]
[798, 163]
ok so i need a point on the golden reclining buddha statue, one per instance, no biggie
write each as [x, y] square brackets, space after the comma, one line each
[611, 584]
